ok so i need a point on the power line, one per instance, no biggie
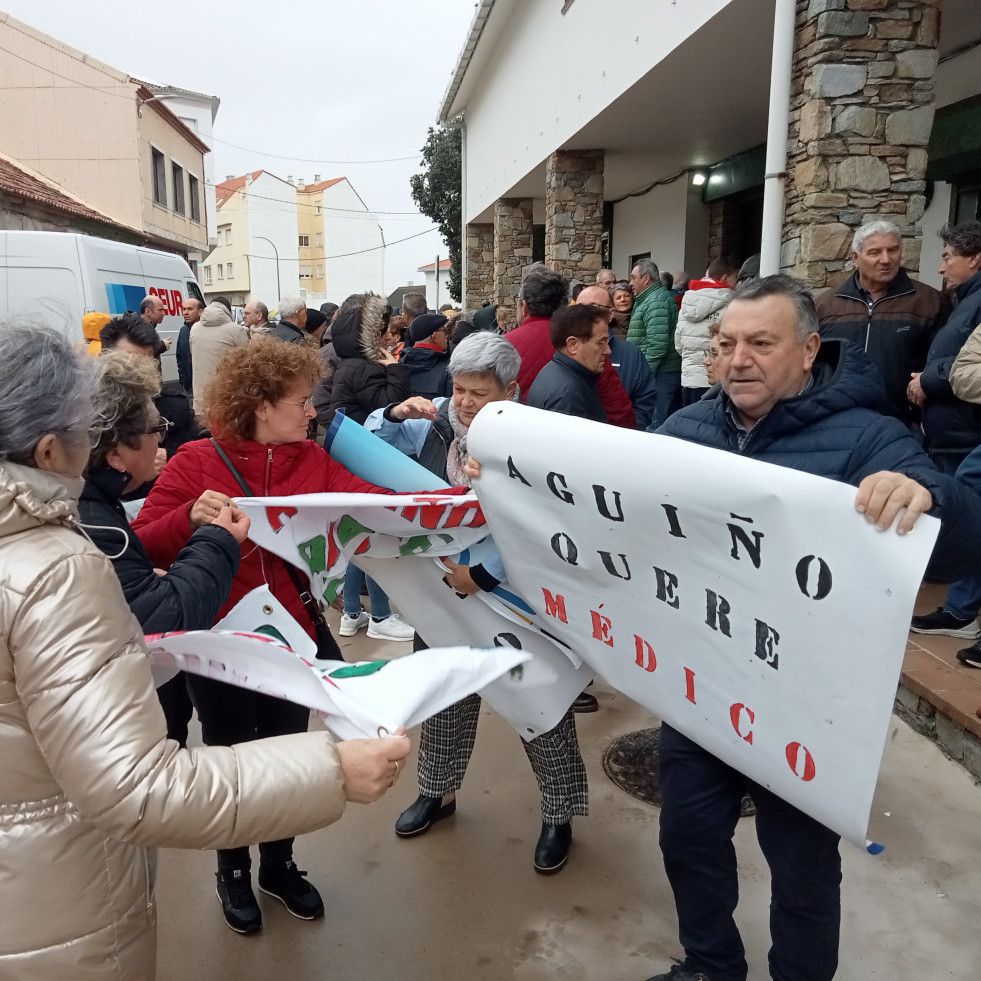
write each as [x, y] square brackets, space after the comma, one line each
[277, 156]
[267, 197]
[342, 255]
[129, 94]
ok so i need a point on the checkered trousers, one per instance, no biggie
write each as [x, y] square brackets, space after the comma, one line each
[447, 741]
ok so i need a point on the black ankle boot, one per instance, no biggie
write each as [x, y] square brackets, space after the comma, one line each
[552, 850]
[419, 816]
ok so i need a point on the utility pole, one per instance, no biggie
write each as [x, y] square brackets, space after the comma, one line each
[279, 292]
[436, 304]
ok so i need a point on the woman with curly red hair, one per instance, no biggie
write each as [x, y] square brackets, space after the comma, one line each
[258, 406]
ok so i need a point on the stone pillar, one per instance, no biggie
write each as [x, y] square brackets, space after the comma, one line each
[723, 218]
[479, 284]
[861, 114]
[574, 213]
[513, 219]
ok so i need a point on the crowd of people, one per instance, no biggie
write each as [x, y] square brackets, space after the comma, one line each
[876, 384]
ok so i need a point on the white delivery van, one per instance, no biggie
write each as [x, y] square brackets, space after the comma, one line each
[58, 277]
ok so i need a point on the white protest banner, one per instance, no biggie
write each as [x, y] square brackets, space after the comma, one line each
[319, 532]
[354, 700]
[533, 699]
[748, 605]
[313, 531]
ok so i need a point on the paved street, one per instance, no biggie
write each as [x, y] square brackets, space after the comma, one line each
[462, 902]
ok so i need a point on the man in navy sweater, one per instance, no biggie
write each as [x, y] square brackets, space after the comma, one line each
[789, 400]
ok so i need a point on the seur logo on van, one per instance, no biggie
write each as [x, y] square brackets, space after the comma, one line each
[122, 298]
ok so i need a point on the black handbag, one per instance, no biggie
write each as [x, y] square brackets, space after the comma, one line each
[327, 649]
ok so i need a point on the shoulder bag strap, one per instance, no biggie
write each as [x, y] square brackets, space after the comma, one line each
[306, 598]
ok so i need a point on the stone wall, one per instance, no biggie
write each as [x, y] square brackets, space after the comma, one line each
[480, 264]
[721, 241]
[574, 213]
[861, 114]
[513, 220]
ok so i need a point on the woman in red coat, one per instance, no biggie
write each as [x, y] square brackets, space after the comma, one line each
[258, 407]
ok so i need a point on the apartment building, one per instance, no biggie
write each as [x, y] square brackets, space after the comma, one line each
[257, 256]
[341, 244]
[101, 136]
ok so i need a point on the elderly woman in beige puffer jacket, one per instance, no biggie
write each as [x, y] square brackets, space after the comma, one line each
[89, 780]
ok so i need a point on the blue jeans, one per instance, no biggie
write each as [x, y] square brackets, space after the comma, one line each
[964, 596]
[700, 807]
[667, 385]
[353, 578]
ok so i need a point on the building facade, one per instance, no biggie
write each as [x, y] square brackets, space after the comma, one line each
[257, 257]
[655, 146]
[437, 287]
[95, 132]
[342, 247]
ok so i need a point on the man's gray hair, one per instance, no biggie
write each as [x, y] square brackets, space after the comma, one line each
[544, 290]
[602, 273]
[147, 303]
[261, 309]
[647, 267]
[881, 227]
[806, 320]
[290, 306]
[414, 305]
[46, 386]
[484, 353]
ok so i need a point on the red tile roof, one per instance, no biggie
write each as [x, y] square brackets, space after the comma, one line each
[320, 185]
[443, 264]
[20, 181]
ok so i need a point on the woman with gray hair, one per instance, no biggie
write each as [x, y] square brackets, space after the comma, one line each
[90, 780]
[188, 595]
[484, 369]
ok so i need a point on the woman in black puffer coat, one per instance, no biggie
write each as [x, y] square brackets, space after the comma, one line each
[367, 376]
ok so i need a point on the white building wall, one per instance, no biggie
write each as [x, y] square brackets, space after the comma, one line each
[654, 222]
[436, 298]
[271, 205]
[350, 228]
[568, 89]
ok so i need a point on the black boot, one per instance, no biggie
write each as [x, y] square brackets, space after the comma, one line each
[238, 903]
[419, 816]
[552, 850]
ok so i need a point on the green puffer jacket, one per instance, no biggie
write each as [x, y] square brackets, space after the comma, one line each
[652, 325]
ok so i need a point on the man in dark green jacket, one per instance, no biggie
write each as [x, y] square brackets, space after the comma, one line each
[652, 325]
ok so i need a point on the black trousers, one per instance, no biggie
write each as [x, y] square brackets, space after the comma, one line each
[700, 807]
[231, 715]
[177, 708]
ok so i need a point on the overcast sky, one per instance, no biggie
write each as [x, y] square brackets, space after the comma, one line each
[315, 82]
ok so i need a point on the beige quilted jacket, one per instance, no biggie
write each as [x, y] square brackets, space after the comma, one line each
[88, 780]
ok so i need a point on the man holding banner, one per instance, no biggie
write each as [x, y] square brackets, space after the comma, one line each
[792, 401]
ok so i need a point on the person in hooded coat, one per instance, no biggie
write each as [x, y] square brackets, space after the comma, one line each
[211, 338]
[367, 376]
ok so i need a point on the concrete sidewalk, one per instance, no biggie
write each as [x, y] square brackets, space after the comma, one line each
[462, 902]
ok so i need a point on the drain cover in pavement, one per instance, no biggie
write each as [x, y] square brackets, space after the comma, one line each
[632, 760]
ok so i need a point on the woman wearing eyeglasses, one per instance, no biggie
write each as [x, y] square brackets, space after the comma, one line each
[190, 593]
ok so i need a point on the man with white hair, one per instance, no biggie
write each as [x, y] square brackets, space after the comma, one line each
[292, 320]
[892, 317]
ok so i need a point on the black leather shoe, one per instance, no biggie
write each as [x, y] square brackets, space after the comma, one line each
[552, 850]
[419, 816]
[585, 703]
[238, 904]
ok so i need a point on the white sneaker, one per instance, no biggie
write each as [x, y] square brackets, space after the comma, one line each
[350, 625]
[391, 628]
